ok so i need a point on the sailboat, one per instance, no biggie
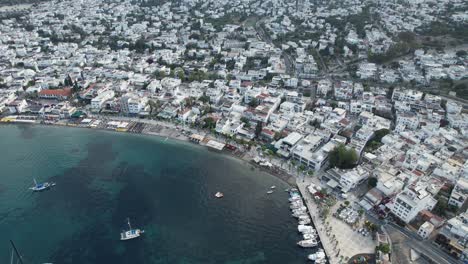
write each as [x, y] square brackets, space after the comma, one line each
[41, 186]
[14, 251]
[131, 233]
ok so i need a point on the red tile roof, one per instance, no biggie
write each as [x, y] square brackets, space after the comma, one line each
[57, 92]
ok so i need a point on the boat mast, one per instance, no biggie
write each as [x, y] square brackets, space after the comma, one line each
[129, 226]
[17, 253]
[35, 182]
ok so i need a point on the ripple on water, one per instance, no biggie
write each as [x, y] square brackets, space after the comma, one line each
[167, 188]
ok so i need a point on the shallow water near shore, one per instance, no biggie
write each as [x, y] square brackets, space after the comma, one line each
[164, 187]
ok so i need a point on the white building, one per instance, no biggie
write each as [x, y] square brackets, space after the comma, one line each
[408, 120]
[286, 145]
[456, 231]
[136, 105]
[459, 193]
[406, 95]
[98, 102]
[17, 106]
[410, 202]
[324, 87]
[425, 230]
[352, 178]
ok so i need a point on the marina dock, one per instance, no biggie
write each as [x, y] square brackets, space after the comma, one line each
[327, 244]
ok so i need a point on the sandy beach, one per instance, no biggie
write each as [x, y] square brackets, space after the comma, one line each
[174, 132]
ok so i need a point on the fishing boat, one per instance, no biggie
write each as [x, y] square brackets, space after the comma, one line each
[41, 186]
[131, 233]
[219, 195]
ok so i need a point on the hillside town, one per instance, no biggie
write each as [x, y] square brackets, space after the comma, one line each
[365, 100]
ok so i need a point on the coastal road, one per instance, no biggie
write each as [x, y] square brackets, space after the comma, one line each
[288, 60]
[405, 239]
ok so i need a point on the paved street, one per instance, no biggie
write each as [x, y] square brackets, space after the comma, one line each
[403, 240]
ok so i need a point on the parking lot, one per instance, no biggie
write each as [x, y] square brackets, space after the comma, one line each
[350, 242]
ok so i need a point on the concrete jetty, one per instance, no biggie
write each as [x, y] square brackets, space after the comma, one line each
[328, 245]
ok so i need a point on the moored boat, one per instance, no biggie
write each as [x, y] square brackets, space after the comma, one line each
[131, 233]
[318, 257]
[41, 186]
[308, 236]
[308, 243]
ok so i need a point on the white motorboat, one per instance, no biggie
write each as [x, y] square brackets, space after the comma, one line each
[270, 192]
[297, 203]
[295, 196]
[219, 195]
[305, 222]
[302, 228]
[318, 257]
[272, 187]
[305, 229]
[311, 232]
[296, 206]
[294, 199]
[41, 186]
[308, 243]
[304, 217]
[298, 214]
[131, 233]
[308, 236]
[300, 211]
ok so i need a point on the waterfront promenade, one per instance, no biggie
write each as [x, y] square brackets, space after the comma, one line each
[340, 241]
[327, 244]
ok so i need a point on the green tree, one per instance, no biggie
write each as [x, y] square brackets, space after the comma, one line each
[230, 64]
[379, 134]
[277, 136]
[246, 121]
[258, 129]
[154, 105]
[461, 53]
[441, 206]
[68, 81]
[204, 99]
[342, 157]
[254, 102]
[372, 182]
[159, 75]
[384, 248]
[181, 75]
[209, 122]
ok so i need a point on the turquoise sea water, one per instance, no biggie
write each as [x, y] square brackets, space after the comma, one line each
[164, 187]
